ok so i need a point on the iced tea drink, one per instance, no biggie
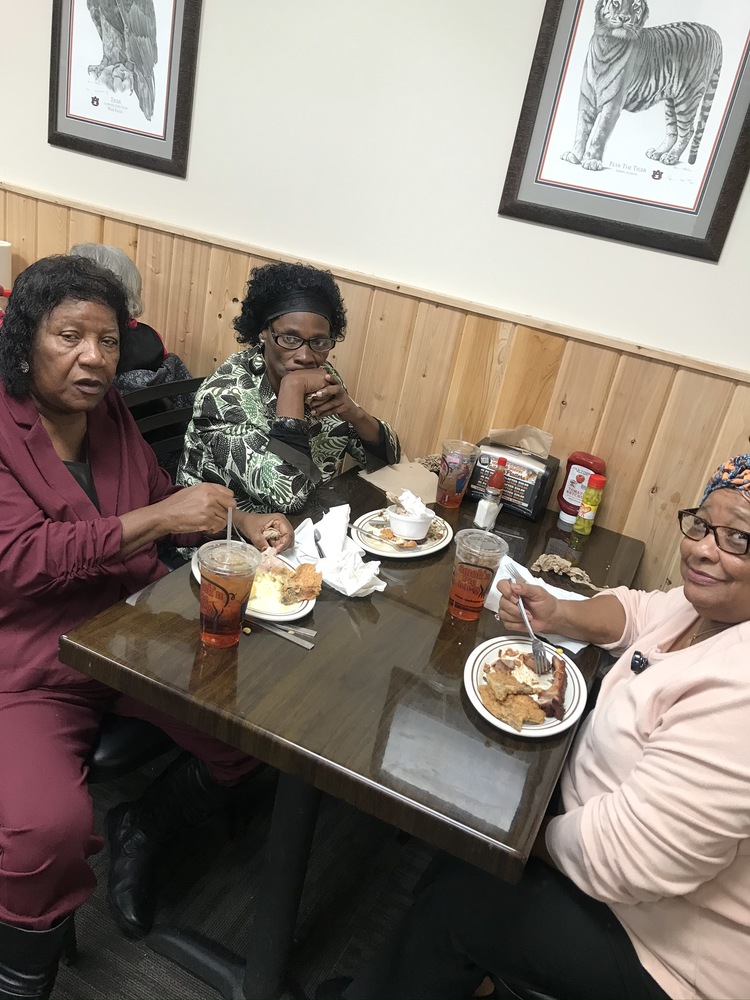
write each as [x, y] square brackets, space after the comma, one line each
[227, 573]
[478, 555]
[457, 463]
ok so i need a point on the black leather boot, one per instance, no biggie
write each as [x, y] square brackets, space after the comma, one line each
[28, 960]
[183, 797]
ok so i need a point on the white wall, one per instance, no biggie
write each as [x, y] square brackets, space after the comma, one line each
[374, 135]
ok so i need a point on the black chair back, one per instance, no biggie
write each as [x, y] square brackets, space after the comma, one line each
[162, 424]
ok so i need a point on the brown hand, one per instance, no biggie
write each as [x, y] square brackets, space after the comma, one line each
[332, 399]
[197, 508]
[304, 380]
[539, 603]
[253, 525]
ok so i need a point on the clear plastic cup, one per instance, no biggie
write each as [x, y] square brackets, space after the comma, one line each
[227, 572]
[456, 466]
[478, 555]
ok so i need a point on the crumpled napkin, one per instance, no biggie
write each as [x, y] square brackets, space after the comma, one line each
[493, 599]
[343, 568]
[413, 505]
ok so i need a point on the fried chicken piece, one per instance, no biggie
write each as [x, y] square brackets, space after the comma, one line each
[505, 685]
[387, 534]
[520, 709]
[508, 699]
[513, 710]
[488, 699]
[302, 585]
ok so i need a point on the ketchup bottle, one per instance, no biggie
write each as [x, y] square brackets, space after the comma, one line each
[497, 479]
[580, 466]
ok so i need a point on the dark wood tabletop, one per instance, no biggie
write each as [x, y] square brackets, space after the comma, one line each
[376, 713]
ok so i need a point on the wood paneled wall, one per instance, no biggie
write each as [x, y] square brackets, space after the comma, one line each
[439, 368]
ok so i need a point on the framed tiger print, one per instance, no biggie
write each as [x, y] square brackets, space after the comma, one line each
[636, 122]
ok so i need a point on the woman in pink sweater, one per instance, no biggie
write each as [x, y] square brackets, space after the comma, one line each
[641, 886]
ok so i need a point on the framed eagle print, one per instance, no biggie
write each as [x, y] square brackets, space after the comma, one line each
[635, 124]
[121, 83]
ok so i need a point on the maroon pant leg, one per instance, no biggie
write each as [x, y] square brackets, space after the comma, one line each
[226, 764]
[46, 814]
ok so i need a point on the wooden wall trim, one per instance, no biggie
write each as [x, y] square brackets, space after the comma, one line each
[439, 367]
[476, 308]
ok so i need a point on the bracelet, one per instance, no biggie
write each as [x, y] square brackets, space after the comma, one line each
[295, 425]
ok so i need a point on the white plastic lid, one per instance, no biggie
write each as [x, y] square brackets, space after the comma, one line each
[566, 520]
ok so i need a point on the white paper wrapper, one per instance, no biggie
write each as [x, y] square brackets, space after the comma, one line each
[493, 599]
[343, 568]
[404, 476]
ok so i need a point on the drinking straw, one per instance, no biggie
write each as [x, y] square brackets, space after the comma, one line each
[229, 524]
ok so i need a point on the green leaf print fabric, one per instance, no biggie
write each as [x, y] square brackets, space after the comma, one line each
[234, 439]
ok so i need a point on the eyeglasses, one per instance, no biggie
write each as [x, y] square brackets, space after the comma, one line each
[729, 540]
[291, 342]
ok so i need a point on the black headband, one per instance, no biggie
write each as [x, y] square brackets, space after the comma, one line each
[305, 302]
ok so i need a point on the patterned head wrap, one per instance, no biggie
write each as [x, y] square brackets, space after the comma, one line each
[735, 472]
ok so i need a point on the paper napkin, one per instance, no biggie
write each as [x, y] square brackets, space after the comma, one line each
[493, 599]
[413, 505]
[343, 567]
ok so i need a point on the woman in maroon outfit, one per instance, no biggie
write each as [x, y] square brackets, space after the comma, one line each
[84, 503]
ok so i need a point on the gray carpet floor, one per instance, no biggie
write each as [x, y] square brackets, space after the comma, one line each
[359, 883]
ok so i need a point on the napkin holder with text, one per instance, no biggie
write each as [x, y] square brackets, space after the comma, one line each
[528, 478]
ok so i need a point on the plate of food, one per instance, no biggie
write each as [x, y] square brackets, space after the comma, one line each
[374, 533]
[503, 687]
[281, 592]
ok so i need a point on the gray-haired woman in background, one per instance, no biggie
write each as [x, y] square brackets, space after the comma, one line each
[144, 360]
[142, 349]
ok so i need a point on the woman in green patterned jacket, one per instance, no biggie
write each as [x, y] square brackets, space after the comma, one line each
[274, 421]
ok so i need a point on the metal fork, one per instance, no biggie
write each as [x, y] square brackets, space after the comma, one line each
[542, 664]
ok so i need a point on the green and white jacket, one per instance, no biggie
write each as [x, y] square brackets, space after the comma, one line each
[270, 465]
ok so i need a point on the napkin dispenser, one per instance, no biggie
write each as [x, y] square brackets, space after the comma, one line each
[528, 478]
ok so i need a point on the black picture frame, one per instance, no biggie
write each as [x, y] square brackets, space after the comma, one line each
[162, 146]
[527, 195]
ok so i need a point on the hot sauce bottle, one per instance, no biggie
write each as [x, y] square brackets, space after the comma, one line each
[581, 465]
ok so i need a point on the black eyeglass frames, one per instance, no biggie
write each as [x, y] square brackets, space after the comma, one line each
[291, 342]
[730, 540]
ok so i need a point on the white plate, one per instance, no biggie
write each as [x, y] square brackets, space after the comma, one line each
[377, 548]
[489, 651]
[285, 612]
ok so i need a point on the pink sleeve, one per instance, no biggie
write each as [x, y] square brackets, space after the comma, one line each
[641, 608]
[678, 818]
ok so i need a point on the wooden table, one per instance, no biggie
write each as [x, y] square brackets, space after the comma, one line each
[375, 714]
